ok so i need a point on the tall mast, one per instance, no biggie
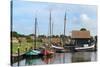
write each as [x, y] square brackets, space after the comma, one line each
[64, 35]
[64, 27]
[50, 28]
[35, 32]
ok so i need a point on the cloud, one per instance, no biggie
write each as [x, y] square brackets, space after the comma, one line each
[89, 23]
[85, 19]
[77, 16]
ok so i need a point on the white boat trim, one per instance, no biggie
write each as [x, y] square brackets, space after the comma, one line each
[92, 46]
[56, 47]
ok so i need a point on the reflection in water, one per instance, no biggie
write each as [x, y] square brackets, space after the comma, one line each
[33, 61]
[81, 57]
[48, 60]
[93, 56]
[84, 56]
[60, 58]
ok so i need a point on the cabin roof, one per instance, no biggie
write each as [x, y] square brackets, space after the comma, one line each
[80, 34]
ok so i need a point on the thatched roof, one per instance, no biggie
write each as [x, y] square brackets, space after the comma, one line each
[80, 34]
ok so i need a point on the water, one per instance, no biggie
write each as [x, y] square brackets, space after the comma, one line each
[60, 58]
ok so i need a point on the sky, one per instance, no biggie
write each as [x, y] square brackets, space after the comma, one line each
[78, 16]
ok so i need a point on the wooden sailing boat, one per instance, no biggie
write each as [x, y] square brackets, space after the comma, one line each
[34, 52]
[48, 51]
[60, 49]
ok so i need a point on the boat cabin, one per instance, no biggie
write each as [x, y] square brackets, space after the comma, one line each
[80, 38]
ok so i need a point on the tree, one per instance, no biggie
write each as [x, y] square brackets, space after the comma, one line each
[21, 35]
[62, 36]
[14, 34]
[17, 35]
[57, 36]
[53, 36]
[82, 29]
[29, 39]
[41, 36]
[31, 35]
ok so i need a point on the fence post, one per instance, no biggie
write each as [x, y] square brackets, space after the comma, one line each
[26, 49]
[18, 55]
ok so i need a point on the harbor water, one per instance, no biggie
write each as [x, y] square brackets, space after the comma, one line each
[59, 58]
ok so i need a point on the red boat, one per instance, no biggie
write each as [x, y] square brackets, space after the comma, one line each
[47, 52]
[48, 60]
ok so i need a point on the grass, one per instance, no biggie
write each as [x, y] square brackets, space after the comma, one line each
[23, 46]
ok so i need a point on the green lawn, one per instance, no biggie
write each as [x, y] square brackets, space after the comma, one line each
[23, 46]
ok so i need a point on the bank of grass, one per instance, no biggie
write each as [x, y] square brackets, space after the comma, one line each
[23, 46]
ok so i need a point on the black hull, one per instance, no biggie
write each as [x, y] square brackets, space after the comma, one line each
[33, 56]
[89, 49]
[60, 51]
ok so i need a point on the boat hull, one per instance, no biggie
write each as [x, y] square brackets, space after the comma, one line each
[60, 51]
[33, 53]
[88, 49]
[47, 52]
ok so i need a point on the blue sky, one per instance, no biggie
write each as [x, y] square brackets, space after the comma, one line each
[78, 16]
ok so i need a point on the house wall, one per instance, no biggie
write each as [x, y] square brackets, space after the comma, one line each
[81, 42]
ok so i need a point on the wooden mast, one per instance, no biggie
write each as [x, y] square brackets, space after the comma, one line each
[64, 35]
[35, 32]
[64, 28]
[50, 30]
